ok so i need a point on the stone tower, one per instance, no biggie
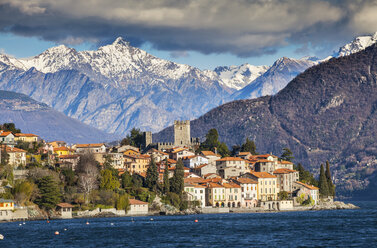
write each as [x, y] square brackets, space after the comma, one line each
[147, 138]
[182, 133]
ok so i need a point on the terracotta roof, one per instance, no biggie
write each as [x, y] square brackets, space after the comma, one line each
[285, 162]
[243, 153]
[178, 150]
[214, 185]
[262, 175]
[137, 202]
[89, 145]
[283, 171]
[193, 180]
[231, 185]
[25, 135]
[141, 156]
[246, 180]
[307, 185]
[11, 149]
[194, 185]
[210, 153]
[63, 148]
[4, 134]
[231, 159]
[210, 174]
[64, 205]
[264, 161]
[200, 166]
[172, 161]
[189, 157]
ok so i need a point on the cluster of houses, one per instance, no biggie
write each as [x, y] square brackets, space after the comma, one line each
[243, 181]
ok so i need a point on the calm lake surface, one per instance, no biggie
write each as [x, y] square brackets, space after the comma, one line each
[340, 228]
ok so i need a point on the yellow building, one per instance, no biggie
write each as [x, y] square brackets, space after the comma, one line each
[215, 195]
[136, 163]
[62, 151]
[25, 137]
[131, 152]
[267, 186]
[6, 204]
[232, 195]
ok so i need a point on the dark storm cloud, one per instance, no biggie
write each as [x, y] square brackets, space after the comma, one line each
[244, 28]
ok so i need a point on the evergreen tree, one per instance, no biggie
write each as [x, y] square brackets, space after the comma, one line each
[151, 179]
[4, 156]
[235, 150]
[166, 178]
[49, 193]
[223, 150]
[323, 187]
[249, 146]
[287, 155]
[126, 179]
[211, 142]
[330, 184]
[176, 184]
[135, 138]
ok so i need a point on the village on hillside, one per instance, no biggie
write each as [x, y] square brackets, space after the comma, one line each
[90, 179]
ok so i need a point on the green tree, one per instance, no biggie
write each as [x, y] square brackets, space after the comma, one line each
[223, 150]
[10, 127]
[122, 202]
[4, 158]
[166, 178]
[287, 155]
[151, 179]
[69, 177]
[24, 191]
[249, 146]
[176, 183]
[323, 187]
[135, 138]
[330, 184]
[137, 180]
[126, 179]
[49, 193]
[108, 164]
[305, 176]
[211, 142]
[108, 180]
[283, 195]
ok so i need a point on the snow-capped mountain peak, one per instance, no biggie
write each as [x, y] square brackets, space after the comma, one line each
[358, 44]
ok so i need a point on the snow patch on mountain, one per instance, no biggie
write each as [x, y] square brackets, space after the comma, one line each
[358, 44]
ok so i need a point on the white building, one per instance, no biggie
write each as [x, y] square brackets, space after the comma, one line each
[137, 207]
[194, 161]
[249, 192]
[196, 192]
[90, 148]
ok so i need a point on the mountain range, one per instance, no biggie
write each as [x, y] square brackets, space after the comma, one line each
[38, 118]
[118, 87]
[328, 112]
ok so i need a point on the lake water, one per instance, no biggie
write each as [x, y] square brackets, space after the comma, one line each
[340, 228]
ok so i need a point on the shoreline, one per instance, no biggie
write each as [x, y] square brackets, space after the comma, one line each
[337, 205]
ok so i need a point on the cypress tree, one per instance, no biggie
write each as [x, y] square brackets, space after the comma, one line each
[151, 179]
[323, 187]
[166, 178]
[249, 146]
[287, 155]
[49, 193]
[177, 185]
[330, 184]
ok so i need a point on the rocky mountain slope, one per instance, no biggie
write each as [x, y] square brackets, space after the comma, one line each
[35, 117]
[114, 88]
[274, 79]
[329, 112]
[358, 44]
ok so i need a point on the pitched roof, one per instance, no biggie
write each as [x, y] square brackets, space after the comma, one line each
[231, 159]
[243, 153]
[200, 166]
[64, 205]
[12, 149]
[4, 134]
[284, 162]
[25, 135]
[231, 185]
[192, 180]
[62, 148]
[264, 161]
[214, 185]
[245, 180]
[283, 171]
[71, 156]
[137, 202]
[262, 174]
[307, 185]
[210, 153]
[89, 145]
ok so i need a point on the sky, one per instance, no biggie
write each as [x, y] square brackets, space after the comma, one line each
[201, 33]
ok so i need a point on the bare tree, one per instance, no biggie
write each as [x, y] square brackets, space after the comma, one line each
[87, 171]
